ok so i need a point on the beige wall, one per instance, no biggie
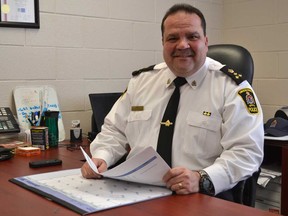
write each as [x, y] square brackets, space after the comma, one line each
[90, 46]
[262, 27]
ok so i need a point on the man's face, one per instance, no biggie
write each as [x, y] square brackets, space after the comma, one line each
[184, 44]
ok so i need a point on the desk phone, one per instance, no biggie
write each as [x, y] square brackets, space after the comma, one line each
[8, 123]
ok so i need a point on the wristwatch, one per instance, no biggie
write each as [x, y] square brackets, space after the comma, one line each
[205, 184]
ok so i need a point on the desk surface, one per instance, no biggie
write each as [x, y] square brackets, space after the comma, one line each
[16, 200]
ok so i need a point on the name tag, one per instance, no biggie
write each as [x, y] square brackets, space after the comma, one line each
[137, 108]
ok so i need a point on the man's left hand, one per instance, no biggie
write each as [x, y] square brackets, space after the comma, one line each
[182, 180]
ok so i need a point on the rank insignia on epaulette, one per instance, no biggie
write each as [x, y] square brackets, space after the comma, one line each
[235, 74]
[237, 77]
[248, 97]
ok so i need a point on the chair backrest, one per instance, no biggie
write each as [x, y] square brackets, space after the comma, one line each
[101, 104]
[240, 60]
[234, 56]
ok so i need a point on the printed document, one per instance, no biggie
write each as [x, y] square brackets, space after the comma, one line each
[147, 167]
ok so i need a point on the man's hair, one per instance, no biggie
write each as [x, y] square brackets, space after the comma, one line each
[187, 9]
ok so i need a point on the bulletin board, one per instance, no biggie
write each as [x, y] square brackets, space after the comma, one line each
[32, 101]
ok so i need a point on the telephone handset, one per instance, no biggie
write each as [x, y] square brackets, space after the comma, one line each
[8, 123]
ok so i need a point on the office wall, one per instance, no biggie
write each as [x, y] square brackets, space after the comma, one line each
[262, 27]
[93, 47]
[88, 46]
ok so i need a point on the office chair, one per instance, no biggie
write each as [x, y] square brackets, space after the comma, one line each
[236, 57]
[101, 104]
[240, 60]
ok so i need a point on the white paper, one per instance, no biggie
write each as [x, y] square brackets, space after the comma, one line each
[283, 138]
[89, 161]
[266, 176]
[40, 98]
[147, 167]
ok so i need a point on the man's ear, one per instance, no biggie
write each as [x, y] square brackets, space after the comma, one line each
[206, 41]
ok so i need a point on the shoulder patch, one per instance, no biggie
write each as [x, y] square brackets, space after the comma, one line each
[137, 72]
[249, 100]
[237, 77]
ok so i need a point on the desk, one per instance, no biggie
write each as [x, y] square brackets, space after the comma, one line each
[16, 200]
[283, 146]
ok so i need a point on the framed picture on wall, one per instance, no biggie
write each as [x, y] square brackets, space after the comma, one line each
[19, 13]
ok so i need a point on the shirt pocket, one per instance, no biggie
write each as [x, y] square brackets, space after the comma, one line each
[198, 120]
[203, 135]
[137, 125]
[139, 116]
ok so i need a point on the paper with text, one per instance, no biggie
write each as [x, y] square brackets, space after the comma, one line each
[147, 167]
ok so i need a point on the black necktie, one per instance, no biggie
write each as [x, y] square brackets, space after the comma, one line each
[164, 146]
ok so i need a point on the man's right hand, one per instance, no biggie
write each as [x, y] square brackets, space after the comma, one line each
[88, 173]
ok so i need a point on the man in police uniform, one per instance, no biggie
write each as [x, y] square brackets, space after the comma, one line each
[218, 135]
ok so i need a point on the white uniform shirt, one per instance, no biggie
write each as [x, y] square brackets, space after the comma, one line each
[214, 129]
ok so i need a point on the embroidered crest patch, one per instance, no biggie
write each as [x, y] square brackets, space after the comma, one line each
[249, 100]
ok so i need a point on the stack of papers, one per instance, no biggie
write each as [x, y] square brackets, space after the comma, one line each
[120, 186]
[148, 167]
[266, 176]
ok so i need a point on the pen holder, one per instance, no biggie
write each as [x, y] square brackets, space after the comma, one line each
[75, 135]
[51, 121]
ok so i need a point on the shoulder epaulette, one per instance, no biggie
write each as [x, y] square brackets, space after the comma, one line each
[137, 72]
[237, 77]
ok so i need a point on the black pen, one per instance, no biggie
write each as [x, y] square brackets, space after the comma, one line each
[29, 120]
